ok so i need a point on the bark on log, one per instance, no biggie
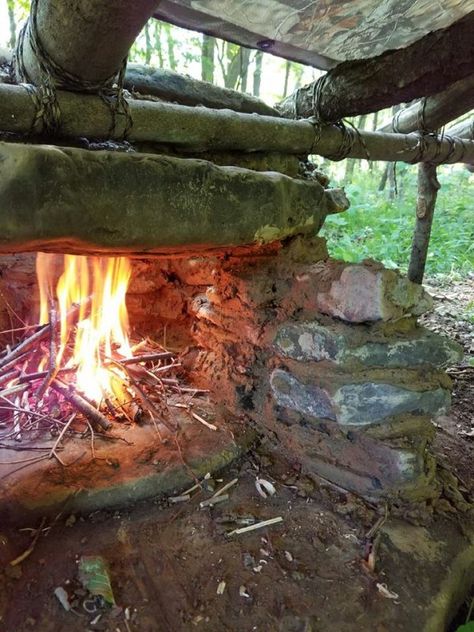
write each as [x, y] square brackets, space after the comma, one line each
[464, 129]
[424, 68]
[437, 111]
[86, 38]
[428, 187]
[203, 129]
[79, 201]
[170, 86]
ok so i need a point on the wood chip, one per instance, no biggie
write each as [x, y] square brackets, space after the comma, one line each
[210, 502]
[179, 499]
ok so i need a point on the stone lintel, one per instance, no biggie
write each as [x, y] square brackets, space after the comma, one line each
[79, 201]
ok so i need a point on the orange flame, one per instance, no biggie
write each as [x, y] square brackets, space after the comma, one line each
[98, 285]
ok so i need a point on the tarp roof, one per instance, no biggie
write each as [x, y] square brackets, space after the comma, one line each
[320, 33]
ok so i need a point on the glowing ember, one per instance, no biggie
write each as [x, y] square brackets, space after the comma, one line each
[98, 285]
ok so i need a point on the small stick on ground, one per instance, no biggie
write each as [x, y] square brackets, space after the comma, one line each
[257, 525]
[21, 558]
[58, 440]
[81, 404]
[210, 502]
[226, 487]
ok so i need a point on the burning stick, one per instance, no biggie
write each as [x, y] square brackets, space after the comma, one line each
[81, 404]
[39, 335]
[53, 365]
[24, 346]
[148, 357]
[147, 403]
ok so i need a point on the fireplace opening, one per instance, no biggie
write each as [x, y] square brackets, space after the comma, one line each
[82, 362]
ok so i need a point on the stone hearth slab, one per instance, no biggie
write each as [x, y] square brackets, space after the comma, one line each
[135, 467]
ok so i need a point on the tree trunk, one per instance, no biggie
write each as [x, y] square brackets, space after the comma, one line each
[158, 46]
[427, 66]
[88, 39]
[148, 47]
[170, 44]
[12, 23]
[392, 180]
[257, 74]
[428, 187]
[232, 68]
[383, 179]
[287, 78]
[207, 58]
[244, 68]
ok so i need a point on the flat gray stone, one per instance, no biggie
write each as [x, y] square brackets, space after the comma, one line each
[370, 402]
[311, 341]
[355, 404]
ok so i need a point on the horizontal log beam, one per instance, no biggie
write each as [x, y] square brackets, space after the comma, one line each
[426, 67]
[437, 111]
[203, 129]
[78, 201]
[170, 86]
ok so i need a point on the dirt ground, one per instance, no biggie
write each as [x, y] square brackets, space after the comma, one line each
[168, 564]
[453, 316]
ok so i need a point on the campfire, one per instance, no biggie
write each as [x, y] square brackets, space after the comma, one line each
[78, 370]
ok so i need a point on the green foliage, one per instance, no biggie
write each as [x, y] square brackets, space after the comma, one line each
[467, 627]
[379, 228]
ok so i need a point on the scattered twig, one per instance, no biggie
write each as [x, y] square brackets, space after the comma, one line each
[226, 487]
[61, 435]
[179, 499]
[215, 500]
[21, 558]
[257, 525]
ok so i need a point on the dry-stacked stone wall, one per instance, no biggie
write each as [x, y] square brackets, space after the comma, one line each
[329, 358]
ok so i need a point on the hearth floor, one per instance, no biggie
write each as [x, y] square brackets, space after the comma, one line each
[306, 573]
[125, 465]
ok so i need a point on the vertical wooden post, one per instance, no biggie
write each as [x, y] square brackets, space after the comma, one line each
[428, 187]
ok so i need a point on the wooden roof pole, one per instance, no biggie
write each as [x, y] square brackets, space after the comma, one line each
[435, 111]
[86, 39]
[426, 67]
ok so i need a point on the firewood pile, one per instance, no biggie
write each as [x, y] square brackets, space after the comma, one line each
[39, 397]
